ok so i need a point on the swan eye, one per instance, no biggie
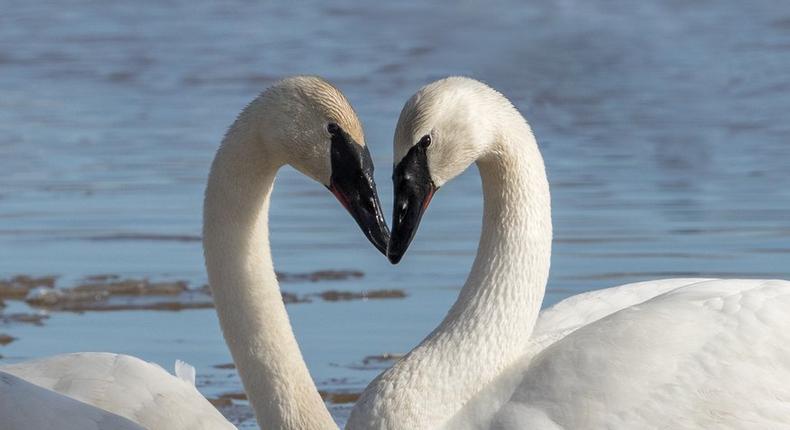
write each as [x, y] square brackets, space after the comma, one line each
[425, 141]
[332, 128]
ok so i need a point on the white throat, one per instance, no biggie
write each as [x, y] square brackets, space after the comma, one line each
[246, 293]
[489, 325]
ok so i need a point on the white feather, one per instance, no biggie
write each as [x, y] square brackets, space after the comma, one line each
[185, 371]
[669, 354]
[123, 385]
[286, 124]
[25, 406]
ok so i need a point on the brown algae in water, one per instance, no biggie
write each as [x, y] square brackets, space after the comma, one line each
[224, 366]
[19, 286]
[320, 275]
[6, 339]
[332, 397]
[24, 318]
[111, 292]
[335, 296]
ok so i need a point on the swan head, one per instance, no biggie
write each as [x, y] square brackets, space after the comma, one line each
[310, 125]
[442, 129]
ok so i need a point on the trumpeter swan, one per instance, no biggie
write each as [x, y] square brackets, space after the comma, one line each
[94, 390]
[681, 353]
[301, 121]
[61, 412]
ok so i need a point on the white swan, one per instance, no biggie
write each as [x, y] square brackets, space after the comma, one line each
[679, 353]
[103, 391]
[301, 121]
[61, 412]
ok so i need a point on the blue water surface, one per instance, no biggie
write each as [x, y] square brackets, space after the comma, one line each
[664, 126]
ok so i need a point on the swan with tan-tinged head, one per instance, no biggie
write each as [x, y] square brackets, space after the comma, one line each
[304, 122]
[670, 354]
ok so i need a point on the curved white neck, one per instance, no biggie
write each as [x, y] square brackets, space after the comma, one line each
[489, 325]
[246, 293]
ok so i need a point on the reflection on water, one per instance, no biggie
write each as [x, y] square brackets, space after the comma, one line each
[663, 126]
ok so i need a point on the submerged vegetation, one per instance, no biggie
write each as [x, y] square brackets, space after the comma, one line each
[111, 292]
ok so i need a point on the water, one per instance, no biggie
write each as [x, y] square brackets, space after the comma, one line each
[663, 125]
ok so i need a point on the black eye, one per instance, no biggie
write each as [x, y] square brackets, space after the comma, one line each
[425, 141]
[332, 128]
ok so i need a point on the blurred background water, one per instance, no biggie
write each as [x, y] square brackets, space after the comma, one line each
[664, 126]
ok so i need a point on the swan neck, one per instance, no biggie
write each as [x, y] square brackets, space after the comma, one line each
[245, 289]
[514, 250]
[498, 306]
[489, 326]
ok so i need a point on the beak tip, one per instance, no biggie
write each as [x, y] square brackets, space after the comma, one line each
[394, 258]
[368, 217]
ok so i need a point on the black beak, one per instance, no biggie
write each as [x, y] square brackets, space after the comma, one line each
[353, 185]
[413, 192]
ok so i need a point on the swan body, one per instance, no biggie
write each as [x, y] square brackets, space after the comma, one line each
[678, 353]
[301, 121]
[701, 354]
[113, 385]
[21, 408]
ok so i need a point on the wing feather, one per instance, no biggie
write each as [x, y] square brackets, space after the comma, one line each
[140, 391]
[25, 406]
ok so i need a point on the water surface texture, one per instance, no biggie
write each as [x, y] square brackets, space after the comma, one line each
[664, 126]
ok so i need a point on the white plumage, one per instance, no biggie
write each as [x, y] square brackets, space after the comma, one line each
[101, 388]
[287, 124]
[25, 406]
[676, 353]
[668, 354]
[185, 371]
